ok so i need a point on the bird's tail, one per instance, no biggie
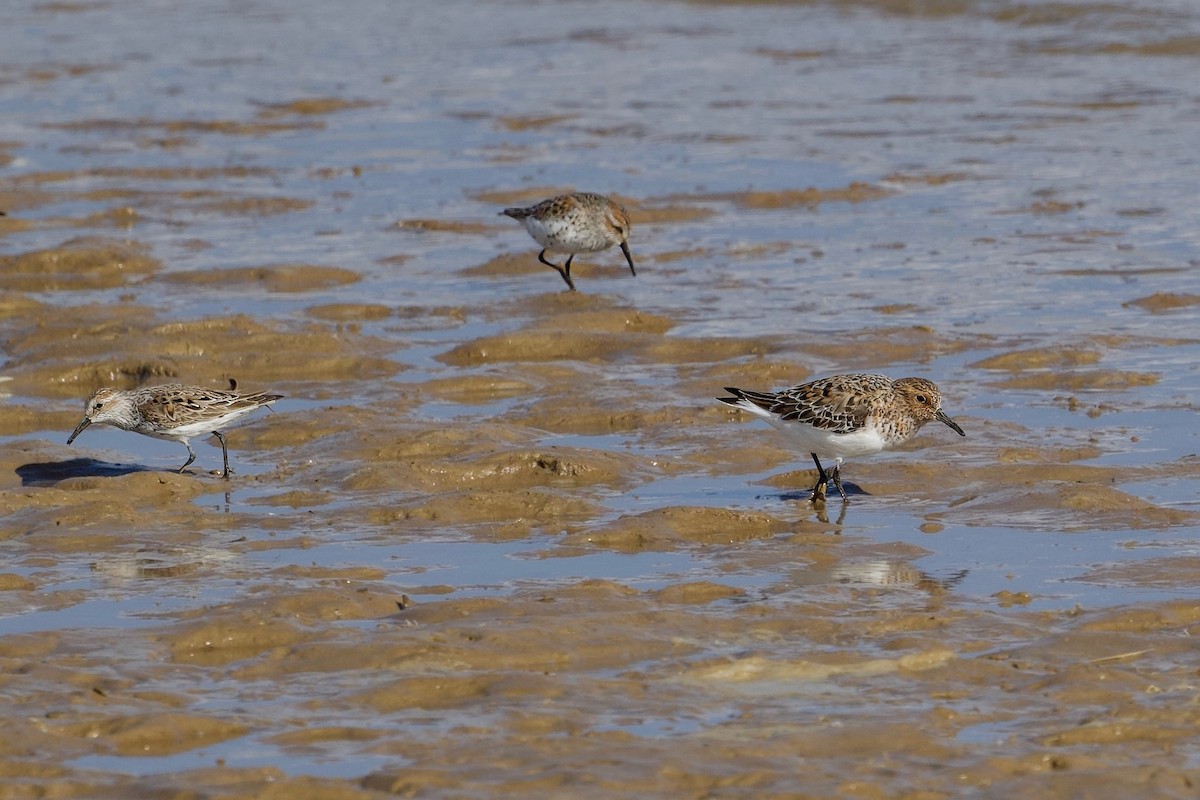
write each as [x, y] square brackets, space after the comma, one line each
[748, 400]
[737, 398]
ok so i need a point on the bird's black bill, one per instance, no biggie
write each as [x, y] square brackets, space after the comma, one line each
[628, 257]
[79, 429]
[941, 417]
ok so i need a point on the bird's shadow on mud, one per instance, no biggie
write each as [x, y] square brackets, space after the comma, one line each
[49, 473]
[805, 495]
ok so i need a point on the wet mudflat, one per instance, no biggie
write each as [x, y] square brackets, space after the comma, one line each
[500, 539]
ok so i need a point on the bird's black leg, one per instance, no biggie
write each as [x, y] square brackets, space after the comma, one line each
[191, 457]
[837, 481]
[225, 454]
[822, 481]
[566, 273]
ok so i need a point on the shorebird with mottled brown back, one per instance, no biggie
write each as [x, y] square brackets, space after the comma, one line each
[575, 223]
[173, 412]
[845, 416]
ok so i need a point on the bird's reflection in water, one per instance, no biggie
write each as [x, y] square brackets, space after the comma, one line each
[888, 572]
[161, 561]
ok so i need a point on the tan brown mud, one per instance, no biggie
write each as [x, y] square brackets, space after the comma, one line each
[457, 654]
[69, 354]
[312, 106]
[1160, 302]
[546, 658]
[77, 264]
[808, 197]
[274, 278]
[225, 127]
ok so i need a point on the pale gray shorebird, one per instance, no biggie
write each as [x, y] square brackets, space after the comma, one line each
[575, 223]
[172, 411]
[845, 416]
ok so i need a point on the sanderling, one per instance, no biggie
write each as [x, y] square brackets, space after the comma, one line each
[575, 223]
[844, 416]
[172, 411]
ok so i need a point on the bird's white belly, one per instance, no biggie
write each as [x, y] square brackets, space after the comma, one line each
[566, 236]
[181, 433]
[863, 442]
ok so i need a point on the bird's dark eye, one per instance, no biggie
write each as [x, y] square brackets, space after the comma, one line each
[98, 406]
[922, 398]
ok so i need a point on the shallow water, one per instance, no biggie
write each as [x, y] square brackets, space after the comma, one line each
[500, 540]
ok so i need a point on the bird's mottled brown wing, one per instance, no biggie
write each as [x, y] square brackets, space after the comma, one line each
[839, 404]
[561, 206]
[171, 406]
